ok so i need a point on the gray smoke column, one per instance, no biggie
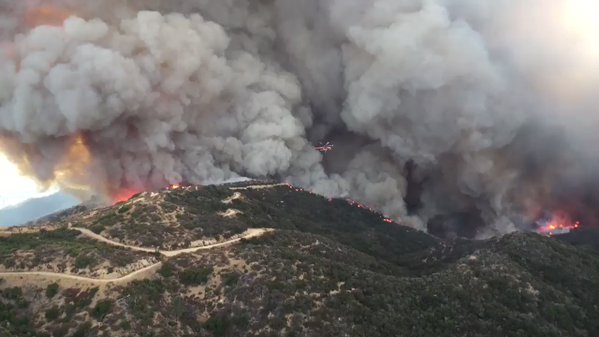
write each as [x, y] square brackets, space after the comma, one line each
[437, 107]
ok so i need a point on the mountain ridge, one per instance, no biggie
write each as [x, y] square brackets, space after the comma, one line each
[327, 268]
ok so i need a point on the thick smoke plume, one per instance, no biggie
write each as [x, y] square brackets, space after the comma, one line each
[465, 117]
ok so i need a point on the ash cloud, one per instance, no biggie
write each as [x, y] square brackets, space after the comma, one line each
[439, 109]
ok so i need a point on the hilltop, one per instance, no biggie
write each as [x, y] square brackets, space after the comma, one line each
[268, 259]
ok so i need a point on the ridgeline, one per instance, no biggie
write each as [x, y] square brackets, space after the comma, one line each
[261, 259]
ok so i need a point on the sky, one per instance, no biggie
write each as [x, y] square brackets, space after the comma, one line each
[16, 188]
[22, 200]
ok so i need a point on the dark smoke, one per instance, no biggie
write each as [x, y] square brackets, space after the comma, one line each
[457, 116]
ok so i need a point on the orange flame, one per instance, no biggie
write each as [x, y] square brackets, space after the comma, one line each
[124, 195]
[559, 223]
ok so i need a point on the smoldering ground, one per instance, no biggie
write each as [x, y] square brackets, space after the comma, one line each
[464, 116]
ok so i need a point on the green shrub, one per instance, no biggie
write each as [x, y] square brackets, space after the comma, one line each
[167, 270]
[83, 330]
[142, 296]
[51, 290]
[195, 276]
[83, 261]
[178, 307]
[52, 313]
[97, 228]
[125, 325]
[103, 307]
[14, 293]
[230, 279]
[124, 209]
[60, 330]
[217, 326]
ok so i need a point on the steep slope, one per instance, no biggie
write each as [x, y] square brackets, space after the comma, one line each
[328, 268]
[183, 217]
[64, 250]
[585, 238]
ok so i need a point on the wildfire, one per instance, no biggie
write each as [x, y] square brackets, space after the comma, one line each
[351, 202]
[558, 223]
[124, 195]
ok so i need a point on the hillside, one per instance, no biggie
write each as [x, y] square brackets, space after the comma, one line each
[260, 259]
[587, 238]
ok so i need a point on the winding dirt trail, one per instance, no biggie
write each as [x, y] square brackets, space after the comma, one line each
[250, 233]
[138, 274]
[41, 276]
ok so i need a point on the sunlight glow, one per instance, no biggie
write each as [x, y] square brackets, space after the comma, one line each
[16, 188]
[581, 19]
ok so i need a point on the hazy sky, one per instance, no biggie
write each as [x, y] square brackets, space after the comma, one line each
[16, 188]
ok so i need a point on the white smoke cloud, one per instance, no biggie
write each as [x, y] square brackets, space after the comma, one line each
[205, 90]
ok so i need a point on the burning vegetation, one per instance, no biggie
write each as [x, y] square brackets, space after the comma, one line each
[124, 195]
[557, 223]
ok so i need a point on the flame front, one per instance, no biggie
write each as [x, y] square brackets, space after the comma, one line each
[558, 223]
[124, 195]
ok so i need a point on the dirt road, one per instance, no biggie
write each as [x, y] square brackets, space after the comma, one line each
[38, 275]
[250, 233]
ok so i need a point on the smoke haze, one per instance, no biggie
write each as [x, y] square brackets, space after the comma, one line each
[437, 108]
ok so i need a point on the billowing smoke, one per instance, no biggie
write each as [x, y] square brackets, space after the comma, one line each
[465, 117]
